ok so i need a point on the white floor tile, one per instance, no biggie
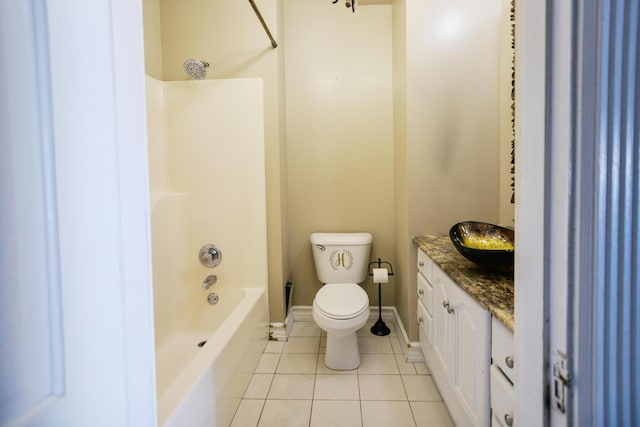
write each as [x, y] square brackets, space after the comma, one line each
[259, 386]
[248, 413]
[374, 345]
[301, 391]
[322, 368]
[268, 363]
[392, 328]
[431, 414]
[422, 368]
[305, 329]
[405, 367]
[325, 413]
[385, 414]
[297, 364]
[274, 346]
[286, 413]
[336, 387]
[365, 331]
[395, 345]
[421, 388]
[381, 387]
[378, 364]
[302, 345]
[285, 386]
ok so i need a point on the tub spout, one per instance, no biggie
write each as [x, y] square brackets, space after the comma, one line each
[209, 281]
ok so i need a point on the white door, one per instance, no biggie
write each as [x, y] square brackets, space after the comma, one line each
[75, 296]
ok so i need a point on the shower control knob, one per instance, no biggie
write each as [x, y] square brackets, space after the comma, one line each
[210, 256]
[212, 298]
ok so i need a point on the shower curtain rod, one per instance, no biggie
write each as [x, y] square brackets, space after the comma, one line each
[264, 25]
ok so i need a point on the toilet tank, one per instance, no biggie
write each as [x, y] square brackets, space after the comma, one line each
[341, 257]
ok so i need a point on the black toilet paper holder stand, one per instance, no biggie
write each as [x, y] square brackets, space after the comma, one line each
[380, 328]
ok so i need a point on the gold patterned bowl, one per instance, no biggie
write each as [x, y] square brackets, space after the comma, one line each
[483, 243]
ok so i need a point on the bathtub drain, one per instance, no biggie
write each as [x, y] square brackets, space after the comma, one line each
[202, 343]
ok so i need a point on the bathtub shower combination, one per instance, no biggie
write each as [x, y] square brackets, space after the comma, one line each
[207, 179]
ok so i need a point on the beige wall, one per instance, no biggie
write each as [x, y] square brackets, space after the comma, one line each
[399, 102]
[451, 81]
[228, 35]
[404, 266]
[339, 132]
[152, 38]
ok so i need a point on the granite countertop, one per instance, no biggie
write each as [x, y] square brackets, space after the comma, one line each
[492, 287]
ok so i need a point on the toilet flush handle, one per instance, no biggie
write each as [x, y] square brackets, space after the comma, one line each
[322, 248]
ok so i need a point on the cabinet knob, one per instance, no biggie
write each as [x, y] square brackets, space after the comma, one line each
[420, 320]
[421, 291]
[508, 419]
[447, 306]
[509, 361]
[421, 264]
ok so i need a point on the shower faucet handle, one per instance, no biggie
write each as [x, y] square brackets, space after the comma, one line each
[209, 281]
[210, 256]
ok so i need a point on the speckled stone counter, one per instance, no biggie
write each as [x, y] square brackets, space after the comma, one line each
[492, 287]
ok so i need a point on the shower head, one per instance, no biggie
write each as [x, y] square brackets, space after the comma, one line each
[195, 69]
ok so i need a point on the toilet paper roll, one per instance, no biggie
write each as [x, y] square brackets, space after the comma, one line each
[380, 275]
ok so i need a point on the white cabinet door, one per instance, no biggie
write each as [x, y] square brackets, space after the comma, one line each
[441, 324]
[459, 352]
[426, 330]
[470, 356]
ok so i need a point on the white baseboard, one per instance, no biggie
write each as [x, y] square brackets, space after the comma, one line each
[279, 331]
[303, 313]
[413, 353]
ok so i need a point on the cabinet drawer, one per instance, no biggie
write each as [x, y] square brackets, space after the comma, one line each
[502, 348]
[425, 265]
[425, 293]
[502, 398]
[426, 327]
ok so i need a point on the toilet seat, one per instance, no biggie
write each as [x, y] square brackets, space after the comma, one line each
[341, 300]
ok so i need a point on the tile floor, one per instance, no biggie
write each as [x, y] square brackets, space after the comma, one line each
[292, 387]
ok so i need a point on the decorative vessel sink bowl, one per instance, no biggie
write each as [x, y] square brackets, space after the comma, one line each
[483, 243]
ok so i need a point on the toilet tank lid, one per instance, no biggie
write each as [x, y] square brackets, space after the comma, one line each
[341, 238]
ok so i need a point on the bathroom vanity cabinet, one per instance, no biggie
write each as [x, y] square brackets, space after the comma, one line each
[458, 350]
[502, 378]
[459, 337]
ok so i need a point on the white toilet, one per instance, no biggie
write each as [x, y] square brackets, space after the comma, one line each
[341, 306]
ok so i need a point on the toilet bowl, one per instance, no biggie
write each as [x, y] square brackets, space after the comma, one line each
[341, 309]
[341, 306]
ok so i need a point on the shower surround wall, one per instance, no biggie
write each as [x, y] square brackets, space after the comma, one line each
[228, 35]
[206, 145]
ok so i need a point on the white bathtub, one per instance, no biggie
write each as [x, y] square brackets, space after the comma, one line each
[207, 182]
[203, 386]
